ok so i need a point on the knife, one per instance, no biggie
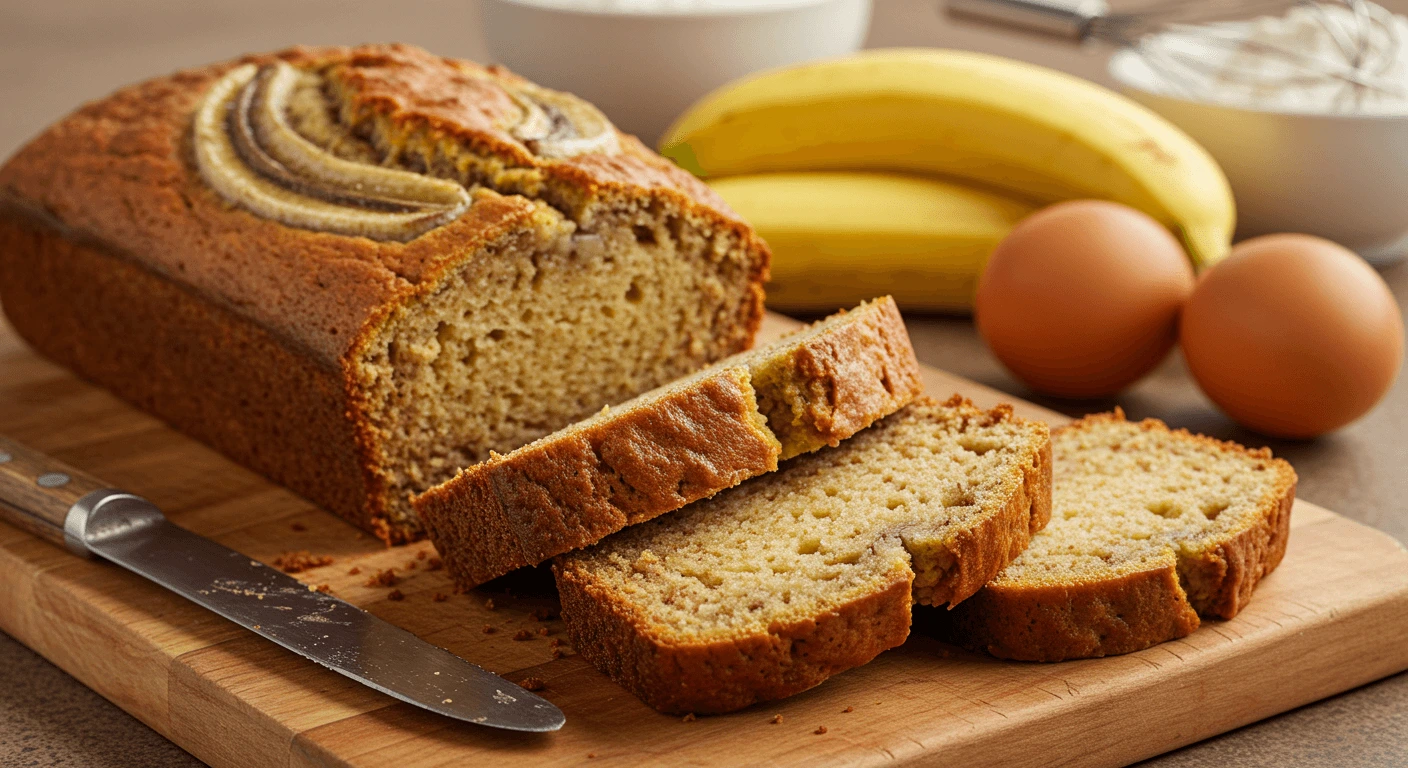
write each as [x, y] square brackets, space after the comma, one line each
[74, 510]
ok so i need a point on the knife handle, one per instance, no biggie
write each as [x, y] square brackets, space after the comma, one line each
[37, 491]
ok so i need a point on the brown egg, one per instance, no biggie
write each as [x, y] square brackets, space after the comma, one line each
[1293, 335]
[1081, 299]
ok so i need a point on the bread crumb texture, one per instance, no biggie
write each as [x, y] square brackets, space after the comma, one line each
[679, 443]
[1151, 527]
[771, 587]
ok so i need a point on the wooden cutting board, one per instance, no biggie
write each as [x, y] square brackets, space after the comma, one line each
[1332, 617]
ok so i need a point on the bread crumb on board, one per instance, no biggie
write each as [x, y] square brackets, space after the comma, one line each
[384, 578]
[490, 629]
[325, 588]
[396, 595]
[689, 718]
[523, 634]
[298, 527]
[489, 604]
[849, 709]
[440, 597]
[776, 720]
[820, 729]
[353, 571]
[434, 564]
[533, 684]
[421, 555]
[300, 561]
[558, 654]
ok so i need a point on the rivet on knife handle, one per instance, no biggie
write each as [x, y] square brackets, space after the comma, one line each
[37, 492]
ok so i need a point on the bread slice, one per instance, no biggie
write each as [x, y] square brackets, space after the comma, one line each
[673, 445]
[1151, 527]
[771, 587]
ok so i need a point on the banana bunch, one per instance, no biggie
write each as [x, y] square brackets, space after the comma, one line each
[1008, 136]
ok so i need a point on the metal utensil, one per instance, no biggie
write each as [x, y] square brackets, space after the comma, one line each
[1174, 37]
[74, 510]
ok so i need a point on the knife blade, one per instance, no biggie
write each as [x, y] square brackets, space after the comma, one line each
[72, 509]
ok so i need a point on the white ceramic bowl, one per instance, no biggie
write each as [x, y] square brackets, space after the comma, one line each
[1342, 177]
[645, 62]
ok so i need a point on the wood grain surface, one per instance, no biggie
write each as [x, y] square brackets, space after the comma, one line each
[1330, 618]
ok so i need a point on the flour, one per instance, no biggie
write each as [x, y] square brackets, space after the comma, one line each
[1289, 63]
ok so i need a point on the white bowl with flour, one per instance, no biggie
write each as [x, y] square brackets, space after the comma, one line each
[1304, 157]
[643, 62]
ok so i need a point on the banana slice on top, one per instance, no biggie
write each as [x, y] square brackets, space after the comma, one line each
[558, 125]
[249, 154]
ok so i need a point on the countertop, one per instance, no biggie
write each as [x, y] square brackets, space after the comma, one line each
[55, 54]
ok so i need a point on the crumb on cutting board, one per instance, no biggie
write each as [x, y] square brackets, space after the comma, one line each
[298, 527]
[396, 595]
[820, 729]
[776, 719]
[849, 709]
[440, 597]
[300, 561]
[489, 604]
[533, 684]
[384, 578]
[689, 718]
[434, 564]
[353, 571]
[490, 629]
[523, 634]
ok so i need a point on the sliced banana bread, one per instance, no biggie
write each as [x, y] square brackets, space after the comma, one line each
[356, 270]
[769, 588]
[1150, 528]
[673, 445]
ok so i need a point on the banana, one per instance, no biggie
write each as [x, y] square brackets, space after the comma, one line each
[1026, 129]
[841, 237]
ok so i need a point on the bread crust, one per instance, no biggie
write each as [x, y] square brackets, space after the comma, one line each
[114, 185]
[1133, 611]
[709, 678]
[575, 487]
[721, 676]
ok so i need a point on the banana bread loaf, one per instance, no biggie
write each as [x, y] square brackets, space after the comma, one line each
[1150, 528]
[670, 446]
[356, 270]
[771, 587]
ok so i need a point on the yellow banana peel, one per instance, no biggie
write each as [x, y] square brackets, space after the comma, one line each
[839, 238]
[1036, 132]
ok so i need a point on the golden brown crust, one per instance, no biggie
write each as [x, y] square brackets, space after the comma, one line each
[845, 379]
[583, 483]
[727, 675]
[1085, 619]
[118, 177]
[1075, 621]
[207, 371]
[981, 553]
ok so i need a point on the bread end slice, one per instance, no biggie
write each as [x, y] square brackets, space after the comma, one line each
[1151, 528]
[771, 587]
